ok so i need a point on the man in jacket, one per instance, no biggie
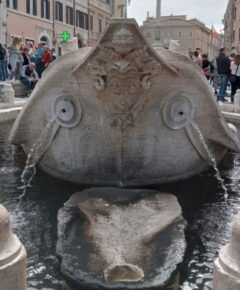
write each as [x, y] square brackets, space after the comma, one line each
[223, 66]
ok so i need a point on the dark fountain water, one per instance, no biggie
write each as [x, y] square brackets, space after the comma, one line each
[34, 219]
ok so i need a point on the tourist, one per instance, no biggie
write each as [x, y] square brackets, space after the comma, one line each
[31, 51]
[46, 58]
[197, 59]
[38, 59]
[207, 66]
[15, 58]
[216, 77]
[29, 76]
[53, 54]
[223, 65]
[190, 55]
[26, 57]
[235, 76]
[3, 63]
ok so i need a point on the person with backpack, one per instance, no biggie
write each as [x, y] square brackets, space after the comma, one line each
[3, 63]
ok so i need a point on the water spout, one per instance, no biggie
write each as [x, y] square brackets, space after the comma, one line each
[36, 153]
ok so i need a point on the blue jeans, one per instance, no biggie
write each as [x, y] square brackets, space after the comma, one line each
[27, 83]
[223, 85]
[3, 70]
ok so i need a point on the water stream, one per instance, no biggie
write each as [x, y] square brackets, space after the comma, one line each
[36, 152]
[211, 159]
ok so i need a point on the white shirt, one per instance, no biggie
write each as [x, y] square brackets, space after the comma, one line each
[235, 69]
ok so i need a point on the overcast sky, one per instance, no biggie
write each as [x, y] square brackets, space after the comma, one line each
[210, 12]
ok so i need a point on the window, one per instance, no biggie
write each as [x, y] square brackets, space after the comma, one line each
[45, 9]
[81, 19]
[91, 22]
[13, 4]
[157, 34]
[100, 25]
[179, 34]
[58, 11]
[86, 21]
[69, 15]
[233, 36]
[190, 34]
[31, 7]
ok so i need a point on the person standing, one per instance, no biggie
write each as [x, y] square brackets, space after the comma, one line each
[15, 58]
[197, 59]
[38, 59]
[190, 55]
[216, 77]
[26, 57]
[207, 66]
[46, 58]
[3, 63]
[223, 65]
[235, 76]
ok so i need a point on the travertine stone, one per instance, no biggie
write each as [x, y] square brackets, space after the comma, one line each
[226, 274]
[6, 95]
[12, 256]
[69, 46]
[127, 114]
[112, 238]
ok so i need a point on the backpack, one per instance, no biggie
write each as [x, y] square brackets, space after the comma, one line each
[2, 52]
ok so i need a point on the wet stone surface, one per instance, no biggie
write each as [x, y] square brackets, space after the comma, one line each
[105, 242]
[34, 219]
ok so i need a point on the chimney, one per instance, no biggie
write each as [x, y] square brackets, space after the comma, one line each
[158, 10]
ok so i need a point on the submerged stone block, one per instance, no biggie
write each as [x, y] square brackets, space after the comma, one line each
[116, 239]
[12, 256]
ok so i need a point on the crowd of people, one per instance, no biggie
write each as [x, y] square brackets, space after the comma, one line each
[24, 62]
[221, 72]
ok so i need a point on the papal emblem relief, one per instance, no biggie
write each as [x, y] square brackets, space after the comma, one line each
[121, 69]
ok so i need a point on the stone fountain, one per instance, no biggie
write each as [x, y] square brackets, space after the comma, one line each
[122, 114]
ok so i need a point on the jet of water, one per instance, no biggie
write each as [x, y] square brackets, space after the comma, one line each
[211, 159]
[36, 152]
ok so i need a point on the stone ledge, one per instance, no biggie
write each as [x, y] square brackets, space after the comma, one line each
[9, 114]
[230, 116]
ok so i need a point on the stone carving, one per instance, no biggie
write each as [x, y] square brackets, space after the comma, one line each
[132, 240]
[134, 108]
[12, 256]
[226, 274]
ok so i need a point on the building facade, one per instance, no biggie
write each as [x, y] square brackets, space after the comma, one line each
[99, 17]
[3, 21]
[190, 34]
[120, 8]
[231, 24]
[45, 20]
